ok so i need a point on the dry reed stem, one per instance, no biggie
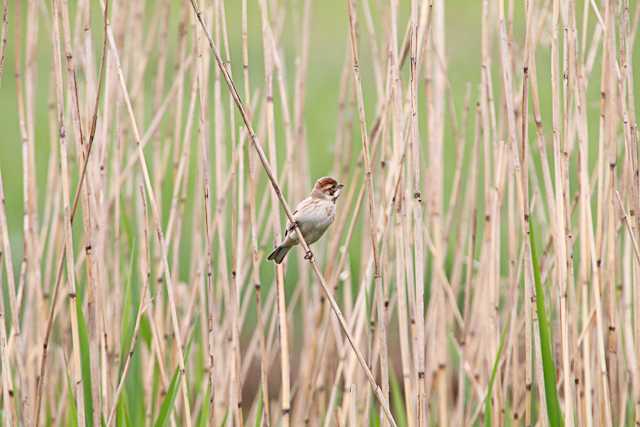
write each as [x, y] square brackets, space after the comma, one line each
[156, 221]
[449, 200]
[283, 331]
[141, 309]
[40, 381]
[7, 386]
[284, 204]
[380, 308]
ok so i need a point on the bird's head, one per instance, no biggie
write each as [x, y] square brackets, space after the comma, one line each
[327, 187]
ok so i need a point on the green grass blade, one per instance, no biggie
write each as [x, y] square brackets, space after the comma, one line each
[258, 422]
[224, 420]
[203, 417]
[169, 400]
[85, 365]
[488, 404]
[122, 415]
[548, 367]
[72, 417]
[374, 416]
[399, 410]
[128, 315]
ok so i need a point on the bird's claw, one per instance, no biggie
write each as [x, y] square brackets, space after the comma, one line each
[308, 256]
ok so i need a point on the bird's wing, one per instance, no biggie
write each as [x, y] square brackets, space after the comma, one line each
[290, 226]
[300, 215]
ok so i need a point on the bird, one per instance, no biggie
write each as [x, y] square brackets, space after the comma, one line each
[312, 215]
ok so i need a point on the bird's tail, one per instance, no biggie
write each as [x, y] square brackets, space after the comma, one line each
[278, 254]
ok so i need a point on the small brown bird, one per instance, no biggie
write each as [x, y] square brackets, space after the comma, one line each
[313, 215]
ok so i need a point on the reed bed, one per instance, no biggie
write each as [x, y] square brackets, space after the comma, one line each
[483, 267]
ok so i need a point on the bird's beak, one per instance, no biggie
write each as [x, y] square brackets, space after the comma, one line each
[337, 192]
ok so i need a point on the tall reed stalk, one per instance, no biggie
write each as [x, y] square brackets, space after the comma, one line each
[482, 267]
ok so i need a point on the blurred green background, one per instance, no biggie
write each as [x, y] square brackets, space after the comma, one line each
[328, 44]
[328, 49]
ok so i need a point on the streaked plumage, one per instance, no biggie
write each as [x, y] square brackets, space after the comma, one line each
[313, 215]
